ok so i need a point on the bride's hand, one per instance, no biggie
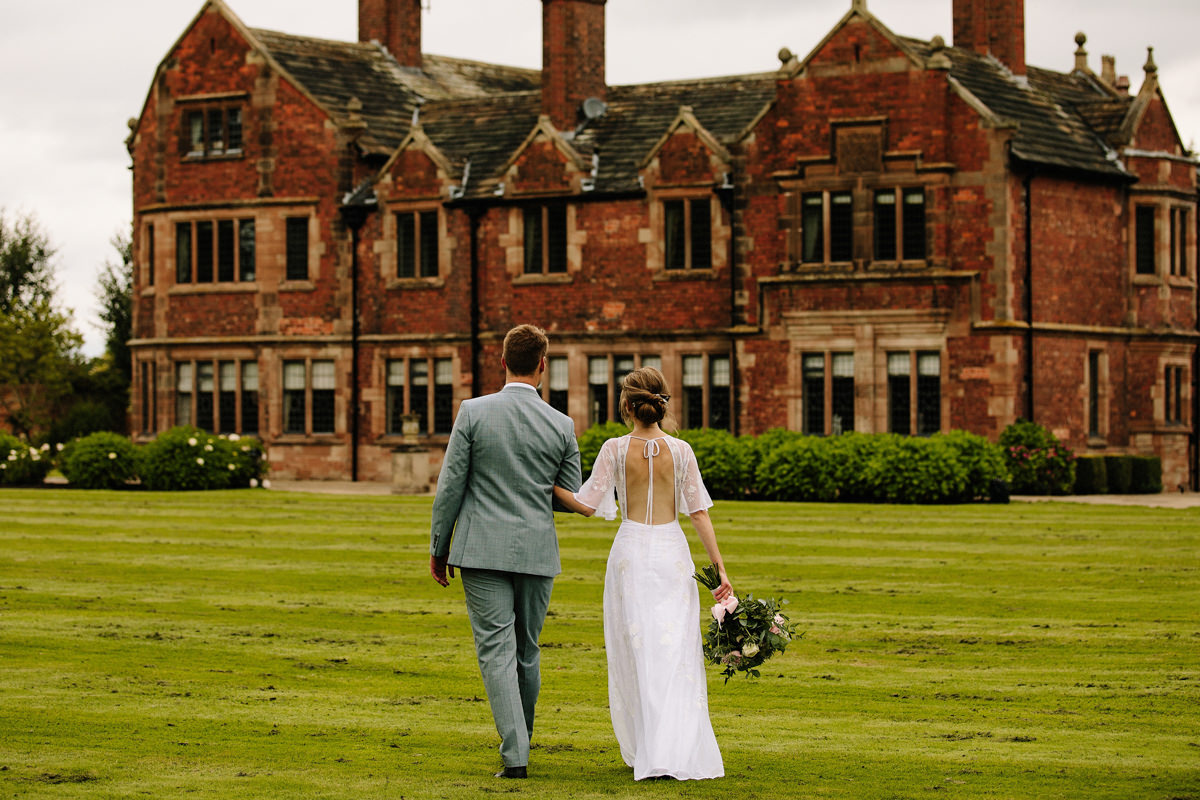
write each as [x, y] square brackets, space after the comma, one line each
[724, 590]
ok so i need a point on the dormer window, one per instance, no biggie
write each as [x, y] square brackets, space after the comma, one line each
[213, 131]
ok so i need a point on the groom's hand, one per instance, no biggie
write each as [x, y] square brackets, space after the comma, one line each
[438, 569]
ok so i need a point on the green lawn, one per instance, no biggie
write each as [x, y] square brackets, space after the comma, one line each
[269, 645]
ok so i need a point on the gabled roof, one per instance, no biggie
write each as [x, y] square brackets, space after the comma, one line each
[1045, 106]
[335, 72]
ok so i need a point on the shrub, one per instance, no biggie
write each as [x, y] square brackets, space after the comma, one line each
[591, 440]
[798, 470]
[904, 469]
[1147, 475]
[758, 447]
[1036, 460]
[21, 464]
[100, 461]
[723, 461]
[987, 472]
[187, 458]
[1120, 473]
[1091, 475]
[248, 457]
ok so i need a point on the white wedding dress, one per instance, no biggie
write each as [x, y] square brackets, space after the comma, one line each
[657, 689]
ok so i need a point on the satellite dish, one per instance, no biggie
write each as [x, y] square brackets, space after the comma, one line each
[594, 108]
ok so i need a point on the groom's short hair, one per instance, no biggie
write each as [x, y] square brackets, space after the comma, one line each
[524, 348]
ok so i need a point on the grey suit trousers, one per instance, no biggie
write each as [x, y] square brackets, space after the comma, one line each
[507, 610]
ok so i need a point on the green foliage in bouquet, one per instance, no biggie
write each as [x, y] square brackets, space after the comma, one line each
[1038, 462]
[21, 464]
[743, 634]
[100, 461]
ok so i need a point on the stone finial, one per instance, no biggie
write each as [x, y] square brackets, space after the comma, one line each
[132, 123]
[1080, 53]
[938, 59]
[354, 120]
[858, 5]
[785, 55]
[1150, 67]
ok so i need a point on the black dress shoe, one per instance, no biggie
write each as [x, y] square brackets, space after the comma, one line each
[512, 772]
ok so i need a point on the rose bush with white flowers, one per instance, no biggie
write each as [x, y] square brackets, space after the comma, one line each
[22, 464]
[100, 461]
[187, 458]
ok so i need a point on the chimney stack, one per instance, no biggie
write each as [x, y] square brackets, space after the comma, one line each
[395, 24]
[572, 58]
[992, 26]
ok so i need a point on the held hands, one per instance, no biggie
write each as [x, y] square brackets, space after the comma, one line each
[438, 569]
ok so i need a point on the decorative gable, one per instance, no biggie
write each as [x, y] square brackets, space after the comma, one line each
[546, 163]
[858, 43]
[687, 154]
[418, 170]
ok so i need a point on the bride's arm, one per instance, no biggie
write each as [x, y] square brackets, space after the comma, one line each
[708, 537]
[567, 499]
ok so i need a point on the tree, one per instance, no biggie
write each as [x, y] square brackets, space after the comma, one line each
[116, 304]
[26, 269]
[39, 355]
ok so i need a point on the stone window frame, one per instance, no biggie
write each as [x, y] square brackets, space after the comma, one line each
[408, 355]
[512, 243]
[149, 255]
[685, 391]
[203, 108]
[557, 396]
[655, 235]
[829, 426]
[193, 363]
[388, 247]
[308, 358]
[145, 374]
[1181, 227]
[613, 372]
[1176, 383]
[241, 281]
[915, 354]
[1095, 394]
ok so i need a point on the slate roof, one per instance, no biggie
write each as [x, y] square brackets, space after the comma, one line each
[1054, 112]
[334, 72]
[482, 113]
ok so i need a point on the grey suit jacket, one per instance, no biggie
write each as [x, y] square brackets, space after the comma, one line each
[493, 508]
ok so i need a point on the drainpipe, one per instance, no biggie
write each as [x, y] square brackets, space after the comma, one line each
[473, 214]
[725, 193]
[354, 217]
[1028, 185]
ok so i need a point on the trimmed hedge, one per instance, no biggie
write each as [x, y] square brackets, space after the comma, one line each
[1147, 475]
[1120, 473]
[100, 461]
[186, 458]
[1091, 475]
[853, 467]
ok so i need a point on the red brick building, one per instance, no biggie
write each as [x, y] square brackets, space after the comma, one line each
[888, 234]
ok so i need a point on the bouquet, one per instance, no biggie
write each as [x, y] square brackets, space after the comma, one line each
[742, 635]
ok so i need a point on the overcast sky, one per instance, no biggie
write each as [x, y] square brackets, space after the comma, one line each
[72, 73]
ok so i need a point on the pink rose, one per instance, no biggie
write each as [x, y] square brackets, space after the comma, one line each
[776, 631]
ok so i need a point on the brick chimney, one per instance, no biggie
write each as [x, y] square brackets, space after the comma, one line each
[395, 24]
[572, 58]
[992, 26]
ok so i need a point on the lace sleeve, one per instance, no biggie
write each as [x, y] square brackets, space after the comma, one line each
[599, 491]
[693, 496]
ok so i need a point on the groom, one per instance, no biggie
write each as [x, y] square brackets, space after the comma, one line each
[493, 519]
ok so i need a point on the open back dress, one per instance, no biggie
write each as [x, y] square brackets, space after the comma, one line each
[657, 689]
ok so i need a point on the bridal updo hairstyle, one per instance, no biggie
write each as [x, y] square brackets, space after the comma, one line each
[644, 396]
[524, 348]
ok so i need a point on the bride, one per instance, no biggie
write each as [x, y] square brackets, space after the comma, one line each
[657, 690]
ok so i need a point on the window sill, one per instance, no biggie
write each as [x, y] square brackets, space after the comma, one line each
[398, 440]
[1098, 442]
[195, 158]
[534, 279]
[897, 266]
[297, 286]
[213, 288]
[1146, 280]
[814, 266]
[307, 438]
[685, 274]
[416, 283]
[1181, 282]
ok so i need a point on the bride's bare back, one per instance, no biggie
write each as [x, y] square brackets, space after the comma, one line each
[637, 481]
